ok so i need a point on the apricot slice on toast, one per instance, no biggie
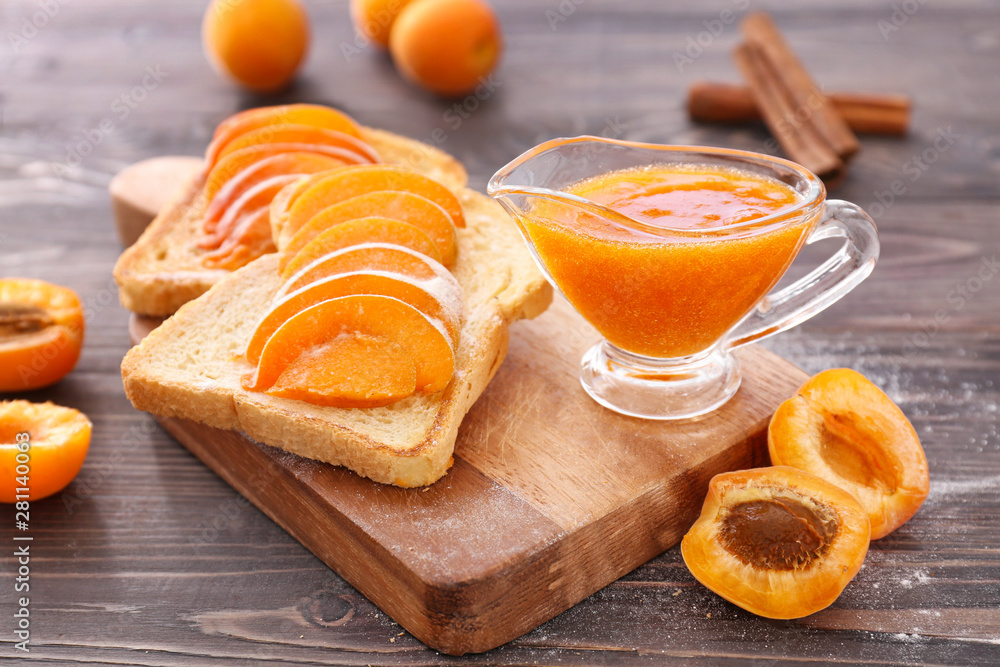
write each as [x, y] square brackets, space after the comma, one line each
[843, 428]
[365, 257]
[253, 200]
[41, 333]
[303, 134]
[357, 232]
[351, 371]
[281, 164]
[346, 183]
[248, 240]
[283, 201]
[252, 119]
[778, 542]
[405, 206]
[424, 340]
[438, 298]
[233, 164]
[52, 439]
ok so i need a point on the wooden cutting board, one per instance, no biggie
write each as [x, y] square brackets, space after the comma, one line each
[551, 496]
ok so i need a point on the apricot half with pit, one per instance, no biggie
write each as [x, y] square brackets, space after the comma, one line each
[41, 333]
[844, 429]
[777, 541]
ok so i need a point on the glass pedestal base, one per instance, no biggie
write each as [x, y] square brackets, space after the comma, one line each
[682, 388]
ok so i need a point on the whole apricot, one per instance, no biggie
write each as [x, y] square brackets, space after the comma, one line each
[446, 46]
[258, 43]
[843, 428]
[374, 18]
[42, 448]
[778, 542]
[41, 333]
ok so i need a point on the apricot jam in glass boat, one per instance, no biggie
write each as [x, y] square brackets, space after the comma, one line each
[670, 252]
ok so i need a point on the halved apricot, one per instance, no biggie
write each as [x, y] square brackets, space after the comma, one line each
[439, 299]
[424, 340]
[289, 133]
[248, 240]
[366, 257]
[405, 206]
[41, 333]
[777, 541]
[350, 182]
[233, 164]
[357, 232]
[844, 429]
[250, 202]
[281, 164]
[351, 371]
[314, 115]
[42, 448]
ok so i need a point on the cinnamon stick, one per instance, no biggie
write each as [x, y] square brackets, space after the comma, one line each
[870, 113]
[808, 100]
[799, 137]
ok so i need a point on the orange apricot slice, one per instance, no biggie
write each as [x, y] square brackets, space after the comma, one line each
[300, 114]
[233, 164]
[302, 134]
[404, 206]
[439, 299]
[42, 448]
[41, 333]
[841, 427]
[248, 240]
[365, 257]
[357, 232]
[283, 200]
[424, 340]
[250, 202]
[280, 164]
[346, 183]
[778, 542]
[351, 371]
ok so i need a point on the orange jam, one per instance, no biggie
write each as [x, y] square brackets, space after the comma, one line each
[671, 278]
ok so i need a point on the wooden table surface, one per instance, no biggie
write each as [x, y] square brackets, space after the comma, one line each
[149, 558]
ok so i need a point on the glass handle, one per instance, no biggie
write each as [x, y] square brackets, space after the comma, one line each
[822, 287]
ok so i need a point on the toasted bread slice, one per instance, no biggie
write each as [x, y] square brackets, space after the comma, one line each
[190, 367]
[163, 270]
